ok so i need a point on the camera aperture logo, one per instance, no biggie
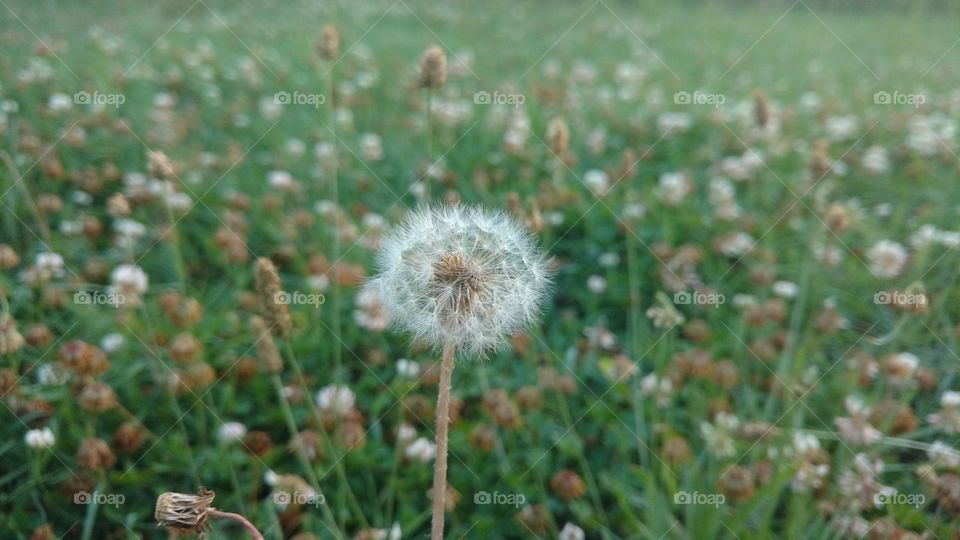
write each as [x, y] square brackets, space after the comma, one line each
[699, 98]
[98, 498]
[300, 298]
[710, 499]
[893, 497]
[298, 498]
[99, 98]
[698, 298]
[513, 499]
[498, 98]
[299, 98]
[98, 298]
[899, 298]
[899, 98]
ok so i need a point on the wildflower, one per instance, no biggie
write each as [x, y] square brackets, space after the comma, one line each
[338, 399]
[128, 437]
[673, 188]
[433, 68]
[568, 485]
[421, 450]
[97, 397]
[597, 181]
[406, 433]
[856, 429]
[10, 338]
[328, 46]
[272, 298]
[665, 315]
[718, 435]
[596, 284]
[231, 431]
[785, 289]
[8, 257]
[129, 282]
[478, 279]
[887, 259]
[38, 439]
[95, 454]
[659, 388]
[571, 532]
[558, 136]
[736, 483]
[408, 368]
[948, 417]
[371, 147]
[267, 351]
[371, 312]
[183, 511]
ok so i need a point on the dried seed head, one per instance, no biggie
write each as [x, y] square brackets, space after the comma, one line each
[328, 47]
[10, 338]
[95, 454]
[273, 306]
[8, 257]
[558, 136]
[568, 485]
[183, 511]
[267, 351]
[737, 483]
[97, 397]
[159, 165]
[462, 277]
[433, 68]
[761, 108]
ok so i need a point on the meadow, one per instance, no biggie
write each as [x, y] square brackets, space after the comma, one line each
[748, 209]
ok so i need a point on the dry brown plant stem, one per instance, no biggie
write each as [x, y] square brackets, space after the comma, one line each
[254, 533]
[443, 423]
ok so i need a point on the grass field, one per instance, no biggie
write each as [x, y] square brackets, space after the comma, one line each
[753, 325]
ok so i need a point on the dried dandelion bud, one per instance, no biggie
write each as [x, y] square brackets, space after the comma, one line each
[328, 47]
[433, 68]
[182, 511]
[267, 351]
[558, 136]
[95, 454]
[273, 301]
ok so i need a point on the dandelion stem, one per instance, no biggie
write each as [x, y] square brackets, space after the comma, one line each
[254, 533]
[443, 421]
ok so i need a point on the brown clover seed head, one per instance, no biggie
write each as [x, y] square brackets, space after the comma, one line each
[568, 485]
[95, 454]
[97, 397]
[737, 483]
[128, 438]
[8, 257]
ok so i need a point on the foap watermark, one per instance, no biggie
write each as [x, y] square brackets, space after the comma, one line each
[298, 498]
[699, 98]
[98, 98]
[498, 98]
[899, 298]
[698, 298]
[97, 298]
[513, 499]
[883, 498]
[98, 498]
[300, 298]
[709, 499]
[899, 98]
[299, 98]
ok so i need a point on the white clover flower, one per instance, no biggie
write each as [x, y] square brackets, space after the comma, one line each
[339, 399]
[38, 439]
[421, 450]
[571, 532]
[129, 281]
[461, 277]
[408, 368]
[887, 259]
[596, 284]
[231, 431]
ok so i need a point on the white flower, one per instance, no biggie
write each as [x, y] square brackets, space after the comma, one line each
[462, 277]
[371, 313]
[59, 102]
[596, 284]
[408, 368]
[112, 342]
[887, 259]
[339, 399]
[571, 532]
[950, 398]
[406, 433]
[421, 450]
[673, 188]
[597, 182]
[129, 281]
[231, 431]
[39, 438]
[54, 374]
[49, 264]
[281, 180]
[371, 148]
[785, 289]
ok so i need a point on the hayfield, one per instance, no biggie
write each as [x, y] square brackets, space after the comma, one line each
[748, 210]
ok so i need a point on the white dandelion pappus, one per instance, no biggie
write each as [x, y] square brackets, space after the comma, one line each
[463, 277]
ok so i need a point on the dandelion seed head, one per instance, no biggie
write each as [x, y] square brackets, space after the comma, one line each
[461, 276]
